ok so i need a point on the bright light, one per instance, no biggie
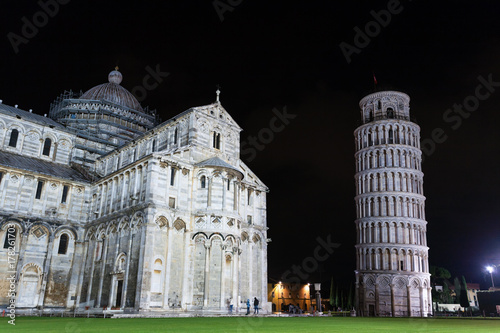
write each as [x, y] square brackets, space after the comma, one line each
[489, 269]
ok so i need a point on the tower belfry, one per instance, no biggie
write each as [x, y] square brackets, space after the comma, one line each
[392, 270]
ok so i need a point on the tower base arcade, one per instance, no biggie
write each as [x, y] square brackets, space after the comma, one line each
[393, 295]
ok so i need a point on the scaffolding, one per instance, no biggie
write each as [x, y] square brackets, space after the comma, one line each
[101, 127]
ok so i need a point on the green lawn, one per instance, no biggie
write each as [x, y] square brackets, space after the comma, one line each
[250, 324]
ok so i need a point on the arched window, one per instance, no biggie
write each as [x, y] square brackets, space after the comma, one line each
[390, 113]
[216, 141]
[154, 146]
[64, 198]
[203, 182]
[63, 244]
[10, 237]
[172, 177]
[14, 134]
[176, 135]
[46, 147]
[39, 188]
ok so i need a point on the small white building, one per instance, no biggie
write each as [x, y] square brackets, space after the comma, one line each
[102, 206]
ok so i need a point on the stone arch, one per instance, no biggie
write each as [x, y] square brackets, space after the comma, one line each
[162, 222]
[66, 229]
[18, 126]
[35, 134]
[230, 239]
[199, 236]
[369, 282]
[40, 232]
[112, 227]
[101, 232]
[65, 142]
[6, 240]
[400, 282]
[123, 224]
[51, 136]
[18, 224]
[120, 262]
[47, 226]
[215, 236]
[256, 238]
[383, 282]
[179, 225]
[91, 233]
[137, 220]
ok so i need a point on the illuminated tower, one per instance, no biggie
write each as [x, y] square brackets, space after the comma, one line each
[392, 270]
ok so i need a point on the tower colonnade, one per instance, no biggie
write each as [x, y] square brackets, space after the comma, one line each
[392, 270]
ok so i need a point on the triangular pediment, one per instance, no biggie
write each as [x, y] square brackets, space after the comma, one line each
[217, 112]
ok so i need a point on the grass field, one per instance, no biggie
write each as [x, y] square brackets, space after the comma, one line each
[250, 324]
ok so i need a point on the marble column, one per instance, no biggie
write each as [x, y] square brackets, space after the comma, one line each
[127, 269]
[91, 278]
[168, 265]
[46, 270]
[222, 277]
[207, 274]
[408, 300]
[393, 301]
[421, 294]
[82, 272]
[103, 270]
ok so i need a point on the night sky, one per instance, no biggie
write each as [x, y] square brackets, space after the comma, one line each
[276, 56]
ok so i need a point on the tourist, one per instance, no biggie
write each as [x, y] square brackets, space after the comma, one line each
[255, 305]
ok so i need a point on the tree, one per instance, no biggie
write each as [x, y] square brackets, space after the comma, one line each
[443, 273]
[439, 277]
[337, 303]
[349, 298]
[464, 299]
[458, 289]
[332, 294]
[445, 296]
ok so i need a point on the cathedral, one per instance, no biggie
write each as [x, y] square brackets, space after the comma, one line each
[102, 207]
[392, 269]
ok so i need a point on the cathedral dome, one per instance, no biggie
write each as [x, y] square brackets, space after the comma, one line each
[113, 92]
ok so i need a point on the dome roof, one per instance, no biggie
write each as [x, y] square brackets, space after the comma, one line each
[113, 92]
[218, 163]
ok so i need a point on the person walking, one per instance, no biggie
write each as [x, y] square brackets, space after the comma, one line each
[230, 305]
[248, 306]
[255, 305]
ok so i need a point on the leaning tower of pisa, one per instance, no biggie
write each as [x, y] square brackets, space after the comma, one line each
[392, 270]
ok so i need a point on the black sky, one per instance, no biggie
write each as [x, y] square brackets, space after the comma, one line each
[269, 55]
